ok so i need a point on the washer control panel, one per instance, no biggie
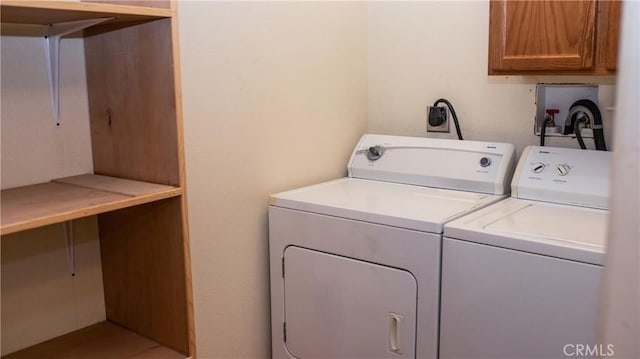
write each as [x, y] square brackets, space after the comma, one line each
[476, 166]
[563, 175]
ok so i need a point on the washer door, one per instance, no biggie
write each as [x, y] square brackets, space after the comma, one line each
[337, 307]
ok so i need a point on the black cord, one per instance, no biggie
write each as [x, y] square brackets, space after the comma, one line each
[576, 130]
[453, 114]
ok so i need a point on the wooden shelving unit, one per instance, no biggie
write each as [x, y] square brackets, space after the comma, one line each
[137, 191]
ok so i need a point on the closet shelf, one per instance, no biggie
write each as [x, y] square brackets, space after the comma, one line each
[102, 340]
[74, 197]
[52, 12]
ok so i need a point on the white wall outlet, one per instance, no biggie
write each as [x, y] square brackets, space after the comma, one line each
[558, 98]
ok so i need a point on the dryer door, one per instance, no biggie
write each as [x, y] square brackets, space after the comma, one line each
[337, 307]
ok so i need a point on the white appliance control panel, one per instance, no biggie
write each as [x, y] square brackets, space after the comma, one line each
[485, 167]
[563, 175]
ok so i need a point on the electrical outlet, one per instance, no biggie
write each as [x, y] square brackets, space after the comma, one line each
[437, 119]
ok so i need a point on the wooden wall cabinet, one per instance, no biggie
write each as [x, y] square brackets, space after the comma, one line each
[138, 188]
[553, 37]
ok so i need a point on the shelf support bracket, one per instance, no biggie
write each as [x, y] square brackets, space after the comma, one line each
[53, 34]
[67, 228]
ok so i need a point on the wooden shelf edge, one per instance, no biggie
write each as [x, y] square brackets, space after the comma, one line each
[596, 72]
[87, 195]
[47, 12]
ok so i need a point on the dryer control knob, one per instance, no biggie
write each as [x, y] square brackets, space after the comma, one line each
[538, 167]
[485, 162]
[375, 152]
[562, 170]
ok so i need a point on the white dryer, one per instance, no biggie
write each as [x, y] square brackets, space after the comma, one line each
[521, 278]
[355, 262]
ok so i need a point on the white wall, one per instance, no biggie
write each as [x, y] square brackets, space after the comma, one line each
[421, 51]
[620, 311]
[274, 97]
[40, 299]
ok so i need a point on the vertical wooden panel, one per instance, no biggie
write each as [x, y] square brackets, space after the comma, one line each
[132, 103]
[144, 271]
[136, 128]
[183, 180]
[608, 30]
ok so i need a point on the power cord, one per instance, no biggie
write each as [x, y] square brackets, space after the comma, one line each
[453, 114]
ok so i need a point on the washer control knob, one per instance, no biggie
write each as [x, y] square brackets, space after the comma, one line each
[375, 152]
[538, 167]
[562, 170]
[485, 162]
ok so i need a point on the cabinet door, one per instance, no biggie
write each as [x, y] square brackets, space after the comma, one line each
[541, 35]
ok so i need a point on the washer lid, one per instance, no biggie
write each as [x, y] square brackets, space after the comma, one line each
[400, 205]
[562, 231]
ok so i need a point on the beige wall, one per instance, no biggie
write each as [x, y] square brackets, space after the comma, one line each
[274, 98]
[421, 51]
[275, 95]
[34, 150]
[40, 299]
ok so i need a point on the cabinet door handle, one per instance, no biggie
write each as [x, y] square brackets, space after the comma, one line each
[395, 333]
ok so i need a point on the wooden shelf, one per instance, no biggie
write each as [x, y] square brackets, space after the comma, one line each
[51, 12]
[74, 197]
[99, 341]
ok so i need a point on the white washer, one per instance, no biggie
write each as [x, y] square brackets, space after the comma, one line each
[355, 262]
[521, 278]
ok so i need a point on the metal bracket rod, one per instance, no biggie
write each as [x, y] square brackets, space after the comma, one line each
[54, 33]
[67, 228]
